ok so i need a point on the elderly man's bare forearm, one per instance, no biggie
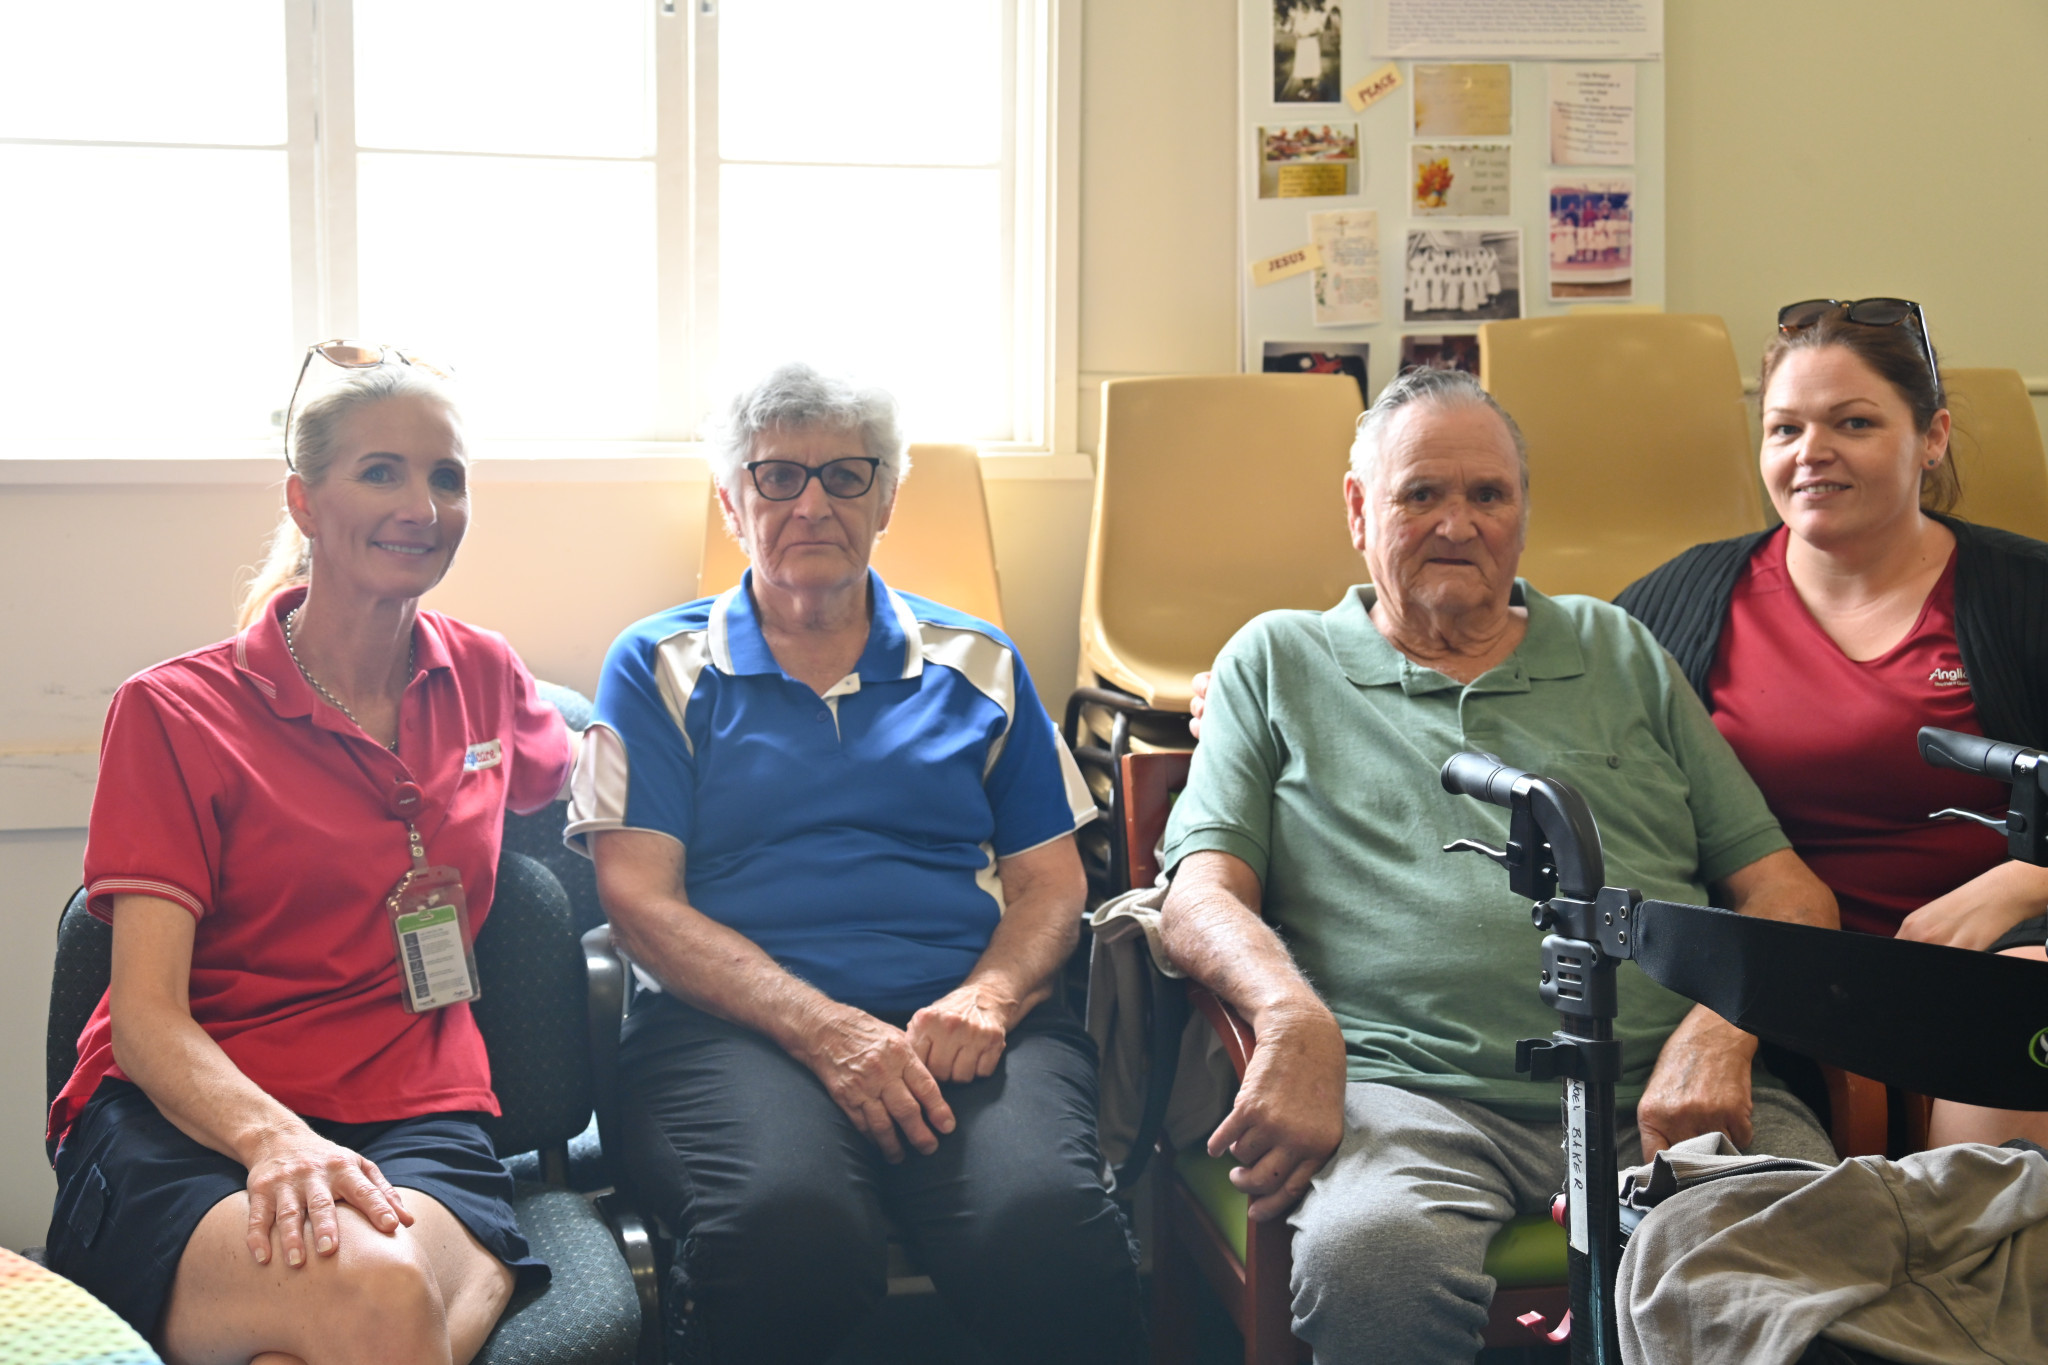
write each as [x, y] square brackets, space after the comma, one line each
[1212, 930]
[1289, 1112]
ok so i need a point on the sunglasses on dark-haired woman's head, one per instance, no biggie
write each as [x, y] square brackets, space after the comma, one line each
[1794, 318]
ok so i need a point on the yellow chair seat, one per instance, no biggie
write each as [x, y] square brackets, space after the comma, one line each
[1528, 1251]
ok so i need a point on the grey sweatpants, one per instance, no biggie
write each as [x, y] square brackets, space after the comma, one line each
[1390, 1240]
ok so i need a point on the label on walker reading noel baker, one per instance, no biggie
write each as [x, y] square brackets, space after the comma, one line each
[1575, 1191]
[433, 959]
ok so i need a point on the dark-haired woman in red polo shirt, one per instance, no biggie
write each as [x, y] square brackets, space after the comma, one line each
[1823, 646]
[270, 1147]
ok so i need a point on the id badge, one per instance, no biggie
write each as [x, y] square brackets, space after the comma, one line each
[430, 925]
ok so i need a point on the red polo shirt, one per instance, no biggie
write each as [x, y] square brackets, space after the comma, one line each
[226, 786]
[1830, 740]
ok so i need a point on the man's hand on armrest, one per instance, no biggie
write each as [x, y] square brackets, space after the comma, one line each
[1289, 1114]
[1701, 1081]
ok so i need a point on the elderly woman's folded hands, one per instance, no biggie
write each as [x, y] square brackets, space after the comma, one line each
[873, 1072]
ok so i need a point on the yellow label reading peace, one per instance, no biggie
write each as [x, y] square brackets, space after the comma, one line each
[1295, 262]
[1374, 88]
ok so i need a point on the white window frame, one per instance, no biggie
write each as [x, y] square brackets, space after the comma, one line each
[1043, 129]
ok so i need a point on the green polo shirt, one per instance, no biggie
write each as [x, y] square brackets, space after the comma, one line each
[1318, 767]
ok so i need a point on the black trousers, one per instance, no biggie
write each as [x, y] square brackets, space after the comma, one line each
[784, 1208]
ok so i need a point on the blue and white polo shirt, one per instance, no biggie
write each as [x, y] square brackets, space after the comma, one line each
[853, 837]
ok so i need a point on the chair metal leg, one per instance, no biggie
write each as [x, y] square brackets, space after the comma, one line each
[637, 1246]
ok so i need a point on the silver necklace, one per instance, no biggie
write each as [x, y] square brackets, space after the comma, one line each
[291, 620]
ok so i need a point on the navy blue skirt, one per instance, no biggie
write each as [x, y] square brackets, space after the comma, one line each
[131, 1190]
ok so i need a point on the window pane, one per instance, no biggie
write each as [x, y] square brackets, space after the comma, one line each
[892, 274]
[534, 279]
[536, 76]
[143, 71]
[894, 82]
[148, 294]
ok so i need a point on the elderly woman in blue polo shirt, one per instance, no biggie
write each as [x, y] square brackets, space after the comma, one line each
[834, 828]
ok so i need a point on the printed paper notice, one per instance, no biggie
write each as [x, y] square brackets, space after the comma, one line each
[1286, 264]
[1593, 115]
[1453, 181]
[1374, 88]
[1617, 30]
[1466, 99]
[1308, 161]
[1347, 283]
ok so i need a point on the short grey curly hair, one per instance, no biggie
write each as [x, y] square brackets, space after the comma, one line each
[1438, 387]
[795, 395]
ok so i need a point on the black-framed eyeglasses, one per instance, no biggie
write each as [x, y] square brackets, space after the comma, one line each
[785, 480]
[349, 355]
[1797, 317]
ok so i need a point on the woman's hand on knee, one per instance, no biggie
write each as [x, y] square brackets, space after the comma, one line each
[961, 1035]
[873, 1073]
[295, 1183]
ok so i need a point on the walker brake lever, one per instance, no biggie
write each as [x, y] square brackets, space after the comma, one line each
[1499, 855]
[1974, 817]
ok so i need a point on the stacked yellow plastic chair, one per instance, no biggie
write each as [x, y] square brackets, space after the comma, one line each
[1639, 443]
[1217, 497]
[938, 544]
[1997, 449]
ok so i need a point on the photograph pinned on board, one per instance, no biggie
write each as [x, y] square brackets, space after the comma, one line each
[1463, 276]
[1308, 42]
[1320, 357]
[1441, 351]
[1346, 290]
[1463, 99]
[1308, 161]
[1592, 238]
[1448, 180]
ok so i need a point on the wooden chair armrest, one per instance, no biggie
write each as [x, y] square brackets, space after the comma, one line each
[1230, 1026]
[1857, 1120]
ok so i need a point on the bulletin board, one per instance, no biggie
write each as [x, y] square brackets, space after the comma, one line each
[1492, 172]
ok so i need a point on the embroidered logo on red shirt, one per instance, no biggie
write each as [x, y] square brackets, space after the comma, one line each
[1949, 677]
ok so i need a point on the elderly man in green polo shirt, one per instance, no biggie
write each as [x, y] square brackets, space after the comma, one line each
[1387, 982]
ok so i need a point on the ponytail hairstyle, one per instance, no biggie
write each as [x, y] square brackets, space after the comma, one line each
[1895, 354]
[314, 437]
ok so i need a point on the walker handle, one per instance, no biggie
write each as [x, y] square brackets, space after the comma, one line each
[1973, 754]
[1481, 777]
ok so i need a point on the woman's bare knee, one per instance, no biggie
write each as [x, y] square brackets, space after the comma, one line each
[373, 1301]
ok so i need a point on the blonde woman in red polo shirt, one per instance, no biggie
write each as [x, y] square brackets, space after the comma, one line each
[1822, 646]
[270, 1148]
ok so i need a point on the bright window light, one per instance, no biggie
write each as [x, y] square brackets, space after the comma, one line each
[892, 274]
[899, 82]
[148, 294]
[211, 73]
[533, 278]
[526, 76]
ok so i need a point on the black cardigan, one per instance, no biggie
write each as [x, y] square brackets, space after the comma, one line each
[2001, 619]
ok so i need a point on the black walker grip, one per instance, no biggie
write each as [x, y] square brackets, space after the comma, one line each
[1481, 777]
[1973, 754]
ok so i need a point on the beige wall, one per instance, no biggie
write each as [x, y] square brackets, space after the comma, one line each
[1828, 146]
[1848, 148]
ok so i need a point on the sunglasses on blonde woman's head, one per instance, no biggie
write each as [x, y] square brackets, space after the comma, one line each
[1794, 318]
[349, 355]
